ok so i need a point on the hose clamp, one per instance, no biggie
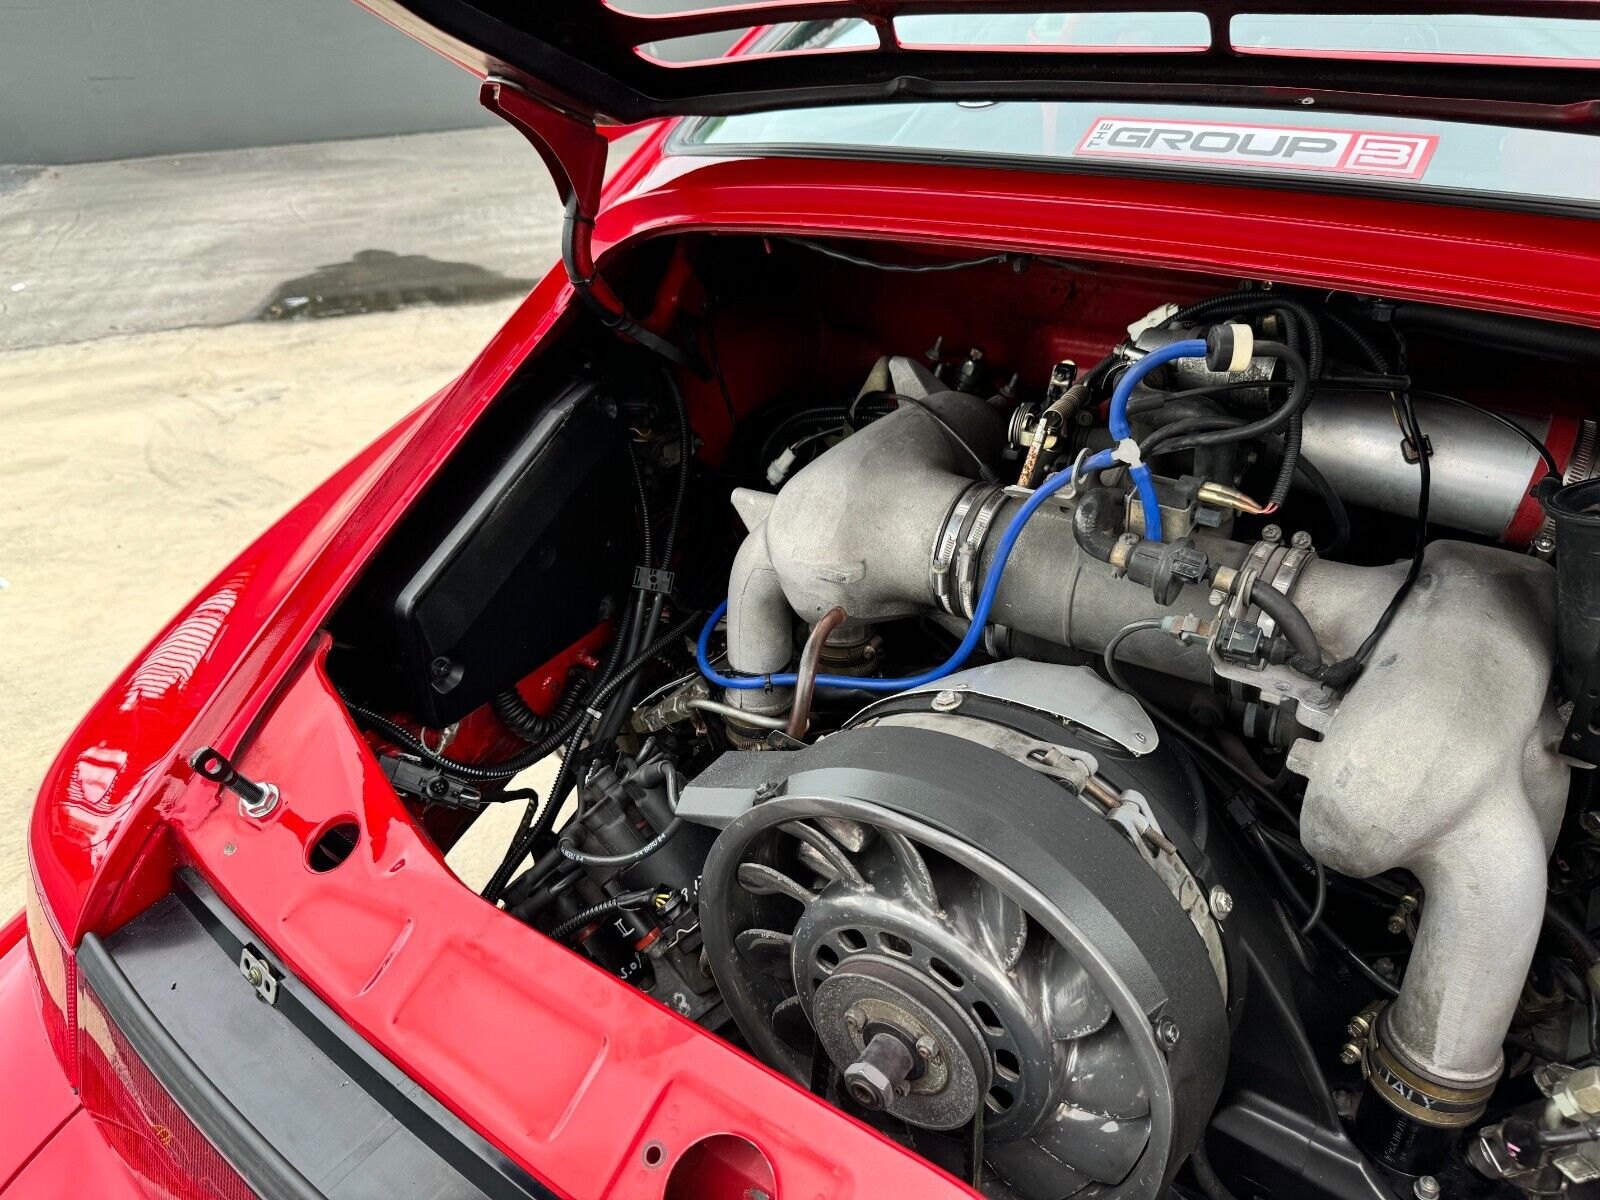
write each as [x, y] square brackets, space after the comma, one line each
[971, 555]
[1408, 1092]
[947, 544]
[1280, 566]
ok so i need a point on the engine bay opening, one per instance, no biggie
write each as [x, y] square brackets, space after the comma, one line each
[1103, 727]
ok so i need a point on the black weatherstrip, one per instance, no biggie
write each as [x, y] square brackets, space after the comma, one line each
[271, 1086]
[256, 1160]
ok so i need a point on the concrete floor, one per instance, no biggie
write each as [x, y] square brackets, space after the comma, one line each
[146, 244]
[149, 435]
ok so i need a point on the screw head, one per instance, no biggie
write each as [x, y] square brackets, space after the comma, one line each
[1273, 534]
[1221, 903]
[1426, 1188]
[1350, 1054]
[1545, 543]
[230, 849]
[1167, 1033]
[1301, 540]
[947, 701]
[254, 976]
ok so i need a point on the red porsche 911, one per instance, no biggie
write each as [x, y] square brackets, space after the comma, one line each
[1047, 558]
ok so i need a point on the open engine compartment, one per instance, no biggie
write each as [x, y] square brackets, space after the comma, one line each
[1120, 740]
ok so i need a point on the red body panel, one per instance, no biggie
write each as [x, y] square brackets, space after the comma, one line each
[570, 1071]
[49, 1147]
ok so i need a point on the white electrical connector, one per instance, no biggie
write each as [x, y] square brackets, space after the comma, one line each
[779, 470]
[1150, 320]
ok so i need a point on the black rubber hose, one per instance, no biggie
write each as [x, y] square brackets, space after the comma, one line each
[1374, 358]
[649, 624]
[569, 851]
[523, 886]
[685, 461]
[1299, 394]
[629, 858]
[1290, 620]
[1495, 331]
[1299, 322]
[604, 909]
[530, 831]
[518, 716]
[1096, 522]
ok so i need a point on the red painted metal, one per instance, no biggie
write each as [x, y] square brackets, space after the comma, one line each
[570, 1071]
[77, 1162]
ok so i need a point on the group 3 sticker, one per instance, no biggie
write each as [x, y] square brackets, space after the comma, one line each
[1270, 147]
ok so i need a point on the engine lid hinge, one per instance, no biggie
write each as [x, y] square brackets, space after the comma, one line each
[573, 150]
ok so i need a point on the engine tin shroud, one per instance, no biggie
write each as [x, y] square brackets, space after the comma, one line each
[1069, 868]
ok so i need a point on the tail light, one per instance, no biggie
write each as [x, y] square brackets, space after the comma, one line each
[57, 973]
[138, 1118]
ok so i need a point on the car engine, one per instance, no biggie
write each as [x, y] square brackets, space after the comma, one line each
[1172, 774]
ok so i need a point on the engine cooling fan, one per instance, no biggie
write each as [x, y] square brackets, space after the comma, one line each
[956, 947]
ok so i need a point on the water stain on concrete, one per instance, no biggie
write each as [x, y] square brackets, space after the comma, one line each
[383, 281]
[15, 178]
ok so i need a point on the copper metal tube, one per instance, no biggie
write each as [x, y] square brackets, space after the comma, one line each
[806, 674]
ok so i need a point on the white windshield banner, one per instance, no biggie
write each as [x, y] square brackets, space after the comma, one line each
[1266, 147]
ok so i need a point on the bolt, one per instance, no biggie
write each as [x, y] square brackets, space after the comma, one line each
[1221, 903]
[1273, 534]
[1216, 598]
[1350, 1054]
[1426, 1188]
[947, 702]
[254, 976]
[852, 1020]
[927, 1048]
[1545, 543]
[230, 849]
[1308, 101]
[439, 668]
[1167, 1033]
[879, 1075]
[1301, 540]
[1401, 914]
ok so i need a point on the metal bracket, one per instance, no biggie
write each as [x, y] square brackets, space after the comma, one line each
[259, 975]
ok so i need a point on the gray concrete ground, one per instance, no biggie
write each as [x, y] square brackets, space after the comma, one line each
[148, 435]
[99, 249]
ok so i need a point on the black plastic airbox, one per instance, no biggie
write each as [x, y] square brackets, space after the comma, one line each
[504, 561]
